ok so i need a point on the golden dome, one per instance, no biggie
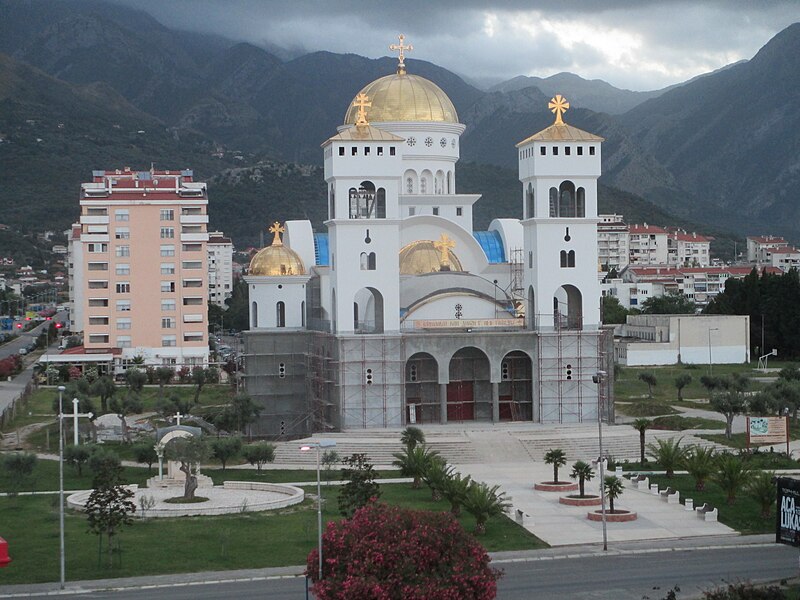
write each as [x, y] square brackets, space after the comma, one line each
[403, 97]
[277, 259]
[423, 256]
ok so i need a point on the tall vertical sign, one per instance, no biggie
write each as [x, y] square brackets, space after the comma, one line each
[787, 522]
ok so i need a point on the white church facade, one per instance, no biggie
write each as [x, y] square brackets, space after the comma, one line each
[400, 313]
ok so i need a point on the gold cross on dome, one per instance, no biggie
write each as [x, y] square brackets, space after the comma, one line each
[362, 103]
[559, 106]
[277, 229]
[444, 244]
[401, 66]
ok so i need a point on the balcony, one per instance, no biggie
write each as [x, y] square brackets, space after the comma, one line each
[194, 237]
[94, 220]
[94, 237]
[194, 219]
[193, 318]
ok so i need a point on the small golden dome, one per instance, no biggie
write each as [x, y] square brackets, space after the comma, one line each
[423, 256]
[277, 259]
[402, 97]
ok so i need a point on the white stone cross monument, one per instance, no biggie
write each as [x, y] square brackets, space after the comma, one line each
[75, 415]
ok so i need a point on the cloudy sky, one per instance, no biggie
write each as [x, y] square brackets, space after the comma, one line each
[635, 44]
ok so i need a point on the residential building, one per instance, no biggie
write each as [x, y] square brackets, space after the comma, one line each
[612, 242]
[648, 245]
[688, 249]
[139, 268]
[220, 268]
[761, 247]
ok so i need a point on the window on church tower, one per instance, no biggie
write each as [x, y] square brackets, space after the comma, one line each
[580, 150]
[567, 151]
[354, 151]
[366, 151]
[391, 151]
[380, 151]
[543, 151]
[459, 211]
[555, 150]
[341, 150]
[530, 259]
[591, 150]
[280, 314]
[436, 210]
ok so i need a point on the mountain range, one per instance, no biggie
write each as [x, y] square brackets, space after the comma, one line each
[720, 150]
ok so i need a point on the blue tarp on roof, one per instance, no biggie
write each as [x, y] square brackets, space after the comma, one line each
[321, 249]
[492, 245]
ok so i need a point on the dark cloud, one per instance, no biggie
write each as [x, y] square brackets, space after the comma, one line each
[640, 44]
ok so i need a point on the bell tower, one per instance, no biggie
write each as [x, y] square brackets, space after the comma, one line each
[558, 168]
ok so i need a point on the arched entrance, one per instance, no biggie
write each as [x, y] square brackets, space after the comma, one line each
[568, 308]
[368, 311]
[469, 393]
[516, 386]
[422, 389]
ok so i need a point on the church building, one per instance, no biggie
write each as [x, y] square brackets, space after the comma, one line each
[400, 313]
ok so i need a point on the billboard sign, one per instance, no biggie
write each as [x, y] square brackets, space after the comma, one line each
[767, 430]
[787, 522]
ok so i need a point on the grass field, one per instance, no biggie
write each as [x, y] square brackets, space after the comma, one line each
[191, 544]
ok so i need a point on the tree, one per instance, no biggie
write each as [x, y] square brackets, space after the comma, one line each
[199, 380]
[613, 312]
[167, 407]
[396, 553]
[484, 502]
[164, 376]
[557, 458]
[668, 453]
[361, 486]
[582, 471]
[330, 458]
[671, 303]
[642, 425]
[109, 507]
[412, 436]
[455, 489]
[699, 462]
[731, 475]
[105, 388]
[135, 380]
[730, 403]
[414, 462]
[613, 488]
[145, 453]
[761, 488]
[190, 452]
[19, 466]
[77, 456]
[259, 454]
[681, 381]
[651, 381]
[130, 404]
[226, 448]
[436, 474]
[237, 415]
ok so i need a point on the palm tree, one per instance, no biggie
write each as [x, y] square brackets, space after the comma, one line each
[613, 488]
[414, 462]
[668, 453]
[681, 381]
[641, 425]
[650, 379]
[582, 471]
[438, 471]
[762, 489]
[699, 462]
[484, 502]
[455, 488]
[412, 436]
[557, 458]
[731, 475]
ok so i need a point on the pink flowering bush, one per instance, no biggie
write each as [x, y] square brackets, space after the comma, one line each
[385, 553]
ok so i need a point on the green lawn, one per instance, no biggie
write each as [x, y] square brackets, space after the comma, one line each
[45, 478]
[679, 423]
[645, 408]
[191, 544]
[739, 440]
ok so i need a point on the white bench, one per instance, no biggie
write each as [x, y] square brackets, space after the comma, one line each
[707, 513]
[670, 496]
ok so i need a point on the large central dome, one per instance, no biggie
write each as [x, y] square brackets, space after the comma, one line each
[402, 97]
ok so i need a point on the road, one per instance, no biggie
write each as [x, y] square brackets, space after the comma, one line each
[592, 577]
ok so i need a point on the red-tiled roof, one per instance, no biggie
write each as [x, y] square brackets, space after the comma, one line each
[766, 239]
[645, 228]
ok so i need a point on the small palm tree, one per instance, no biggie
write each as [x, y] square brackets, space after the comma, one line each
[700, 463]
[731, 475]
[582, 471]
[681, 381]
[484, 502]
[613, 488]
[762, 489]
[438, 471]
[668, 453]
[412, 436]
[651, 381]
[557, 458]
[414, 462]
[455, 488]
[641, 425]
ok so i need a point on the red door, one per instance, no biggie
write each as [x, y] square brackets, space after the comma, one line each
[460, 402]
[505, 409]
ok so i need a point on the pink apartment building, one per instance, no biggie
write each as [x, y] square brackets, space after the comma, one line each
[139, 268]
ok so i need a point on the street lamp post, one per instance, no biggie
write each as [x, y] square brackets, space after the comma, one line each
[710, 366]
[306, 448]
[61, 389]
[598, 379]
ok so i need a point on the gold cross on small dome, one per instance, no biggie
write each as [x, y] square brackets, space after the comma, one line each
[277, 229]
[444, 244]
[559, 106]
[401, 66]
[362, 103]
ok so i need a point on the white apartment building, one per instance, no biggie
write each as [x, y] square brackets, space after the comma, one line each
[648, 245]
[612, 242]
[761, 247]
[220, 268]
[688, 249]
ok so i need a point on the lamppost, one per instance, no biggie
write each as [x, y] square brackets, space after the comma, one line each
[710, 367]
[598, 379]
[306, 448]
[61, 389]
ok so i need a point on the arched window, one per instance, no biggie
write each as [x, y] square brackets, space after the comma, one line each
[363, 261]
[566, 200]
[371, 261]
[571, 258]
[553, 202]
[563, 259]
[439, 182]
[303, 313]
[363, 201]
[355, 315]
[530, 209]
[581, 208]
[423, 186]
[409, 185]
[381, 204]
[280, 314]
[332, 207]
[449, 182]
[254, 314]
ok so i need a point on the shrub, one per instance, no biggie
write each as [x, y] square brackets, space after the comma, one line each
[396, 553]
